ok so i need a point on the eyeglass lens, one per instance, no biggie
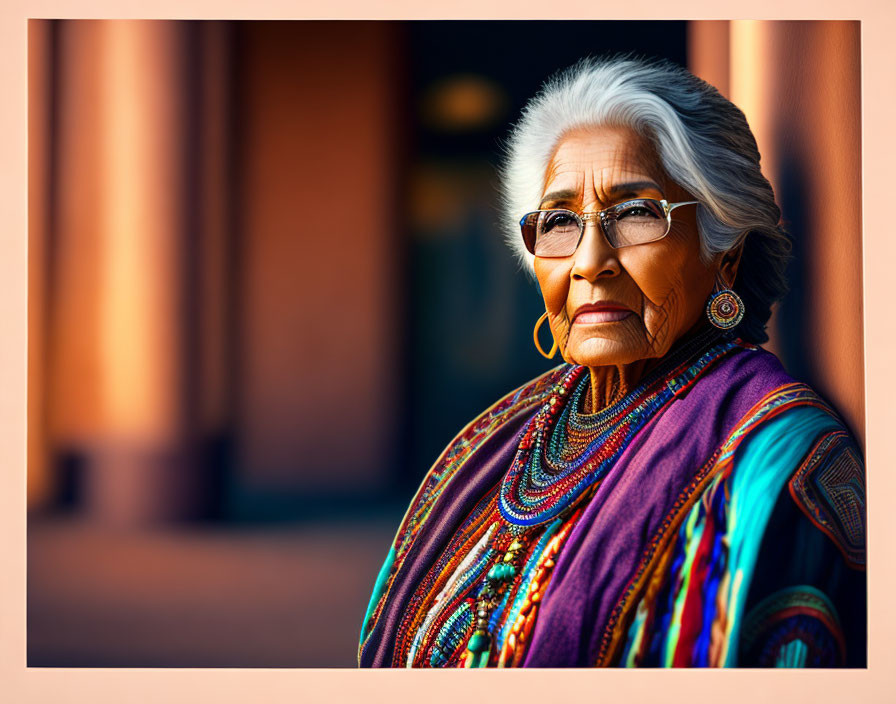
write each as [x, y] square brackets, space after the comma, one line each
[556, 233]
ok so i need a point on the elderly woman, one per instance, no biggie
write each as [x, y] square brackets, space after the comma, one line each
[669, 496]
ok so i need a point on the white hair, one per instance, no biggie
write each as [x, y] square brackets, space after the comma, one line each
[703, 142]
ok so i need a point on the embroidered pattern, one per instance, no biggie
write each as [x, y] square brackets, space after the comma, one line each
[673, 612]
[795, 627]
[452, 459]
[438, 623]
[829, 487]
[465, 444]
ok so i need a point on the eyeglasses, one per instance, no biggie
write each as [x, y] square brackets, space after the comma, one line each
[557, 233]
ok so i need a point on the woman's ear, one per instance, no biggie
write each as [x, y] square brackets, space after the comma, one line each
[729, 264]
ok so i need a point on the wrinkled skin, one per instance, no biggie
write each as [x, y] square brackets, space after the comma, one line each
[661, 286]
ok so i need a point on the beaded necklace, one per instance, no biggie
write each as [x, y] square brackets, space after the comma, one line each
[563, 451]
[478, 604]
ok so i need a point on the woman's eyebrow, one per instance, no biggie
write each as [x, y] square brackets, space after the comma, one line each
[632, 188]
[559, 196]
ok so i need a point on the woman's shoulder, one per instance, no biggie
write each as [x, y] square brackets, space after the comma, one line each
[530, 393]
[783, 409]
[521, 399]
[526, 397]
[792, 446]
[770, 401]
[504, 416]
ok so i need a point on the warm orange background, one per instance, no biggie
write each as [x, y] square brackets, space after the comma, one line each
[820, 686]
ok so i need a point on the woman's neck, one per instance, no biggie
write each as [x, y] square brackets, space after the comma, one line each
[611, 383]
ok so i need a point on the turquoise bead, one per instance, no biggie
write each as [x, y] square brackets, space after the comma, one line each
[480, 659]
[479, 642]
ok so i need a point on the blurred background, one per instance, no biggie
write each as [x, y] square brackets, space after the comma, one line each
[267, 286]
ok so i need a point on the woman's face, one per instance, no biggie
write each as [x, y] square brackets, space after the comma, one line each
[615, 306]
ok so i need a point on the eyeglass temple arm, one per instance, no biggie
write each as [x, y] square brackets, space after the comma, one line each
[672, 206]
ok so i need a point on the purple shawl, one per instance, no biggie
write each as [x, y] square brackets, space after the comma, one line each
[605, 548]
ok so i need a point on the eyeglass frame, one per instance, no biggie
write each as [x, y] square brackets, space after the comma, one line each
[601, 216]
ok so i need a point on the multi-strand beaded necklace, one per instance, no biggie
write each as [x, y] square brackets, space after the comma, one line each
[478, 604]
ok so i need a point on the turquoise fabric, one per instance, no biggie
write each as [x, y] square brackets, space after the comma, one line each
[793, 655]
[381, 580]
[762, 466]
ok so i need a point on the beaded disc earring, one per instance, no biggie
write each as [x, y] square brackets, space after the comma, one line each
[725, 309]
[546, 355]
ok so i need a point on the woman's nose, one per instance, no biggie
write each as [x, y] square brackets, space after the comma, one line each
[594, 257]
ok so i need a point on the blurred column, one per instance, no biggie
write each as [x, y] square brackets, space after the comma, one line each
[195, 292]
[831, 146]
[709, 52]
[798, 84]
[41, 487]
[127, 209]
[319, 380]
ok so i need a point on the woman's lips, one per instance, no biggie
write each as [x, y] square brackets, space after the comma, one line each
[601, 316]
[593, 314]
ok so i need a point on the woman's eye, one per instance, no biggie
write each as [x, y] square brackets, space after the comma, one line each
[638, 211]
[561, 220]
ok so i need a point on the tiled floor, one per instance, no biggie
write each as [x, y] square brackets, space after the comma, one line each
[264, 597]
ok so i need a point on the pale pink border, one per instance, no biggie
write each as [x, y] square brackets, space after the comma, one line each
[19, 684]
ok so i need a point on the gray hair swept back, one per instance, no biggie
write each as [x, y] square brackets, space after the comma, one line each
[704, 144]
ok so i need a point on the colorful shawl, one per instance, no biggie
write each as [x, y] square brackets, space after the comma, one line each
[712, 517]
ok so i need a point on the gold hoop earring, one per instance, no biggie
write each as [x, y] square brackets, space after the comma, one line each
[538, 344]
